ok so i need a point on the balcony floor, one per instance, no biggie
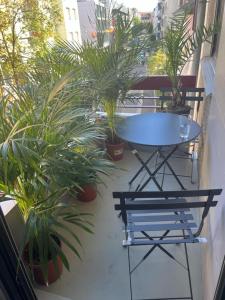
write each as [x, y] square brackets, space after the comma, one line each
[103, 273]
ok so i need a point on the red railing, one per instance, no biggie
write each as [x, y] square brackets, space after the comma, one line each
[162, 81]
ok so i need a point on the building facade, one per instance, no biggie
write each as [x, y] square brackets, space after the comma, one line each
[211, 75]
[93, 18]
[164, 11]
[156, 19]
[145, 17]
[69, 29]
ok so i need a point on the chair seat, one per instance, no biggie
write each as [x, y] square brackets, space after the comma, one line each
[135, 218]
[146, 242]
[161, 227]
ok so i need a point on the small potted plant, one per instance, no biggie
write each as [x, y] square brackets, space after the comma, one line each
[92, 166]
[88, 188]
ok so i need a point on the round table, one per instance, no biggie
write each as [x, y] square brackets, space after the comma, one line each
[158, 130]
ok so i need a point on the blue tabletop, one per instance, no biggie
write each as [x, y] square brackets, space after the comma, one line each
[156, 129]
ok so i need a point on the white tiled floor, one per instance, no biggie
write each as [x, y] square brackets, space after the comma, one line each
[103, 273]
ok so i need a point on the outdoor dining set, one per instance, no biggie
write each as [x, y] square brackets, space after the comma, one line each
[158, 216]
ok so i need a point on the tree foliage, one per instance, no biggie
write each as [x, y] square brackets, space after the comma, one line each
[157, 63]
[25, 28]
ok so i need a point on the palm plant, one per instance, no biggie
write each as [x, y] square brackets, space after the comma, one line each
[107, 73]
[179, 45]
[39, 129]
[48, 223]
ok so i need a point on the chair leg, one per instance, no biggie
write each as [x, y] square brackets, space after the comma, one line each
[188, 269]
[129, 266]
[194, 167]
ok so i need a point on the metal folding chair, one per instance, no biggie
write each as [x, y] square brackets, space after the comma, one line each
[191, 95]
[169, 213]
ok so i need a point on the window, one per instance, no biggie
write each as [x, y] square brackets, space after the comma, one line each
[74, 13]
[181, 3]
[71, 36]
[68, 13]
[217, 18]
[76, 36]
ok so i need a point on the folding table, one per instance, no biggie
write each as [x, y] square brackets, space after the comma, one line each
[161, 131]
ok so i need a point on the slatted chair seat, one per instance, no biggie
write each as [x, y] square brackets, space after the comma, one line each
[145, 212]
[158, 219]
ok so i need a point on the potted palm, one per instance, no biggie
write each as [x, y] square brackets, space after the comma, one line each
[107, 74]
[179, 45]
[48, 229]
[39, 130]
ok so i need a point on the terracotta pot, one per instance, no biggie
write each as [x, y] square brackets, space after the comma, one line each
[88, 194]
[115, 151]
[53, 273]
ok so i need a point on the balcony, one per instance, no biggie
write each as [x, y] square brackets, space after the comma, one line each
[104, 271]
[50, 152]
[103, 274]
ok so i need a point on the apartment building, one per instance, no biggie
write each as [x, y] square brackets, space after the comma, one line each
[165, 10]
[169, 7]
[156, 19]
[69, 29]
[93, 18]
[145, 17]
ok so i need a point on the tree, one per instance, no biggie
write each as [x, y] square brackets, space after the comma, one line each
[25, 28]
[157, 63]
[136, 21]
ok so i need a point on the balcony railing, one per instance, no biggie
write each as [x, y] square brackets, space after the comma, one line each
[153, 83]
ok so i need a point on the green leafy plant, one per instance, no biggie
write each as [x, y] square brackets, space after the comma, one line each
[107, 72]
[25, 28]
[93, 166]
[179, 45]
[40, 128]
[157, 63]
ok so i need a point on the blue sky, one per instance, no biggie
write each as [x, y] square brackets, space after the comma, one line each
[141, 5]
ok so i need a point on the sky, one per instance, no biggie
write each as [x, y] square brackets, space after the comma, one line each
[141, 5]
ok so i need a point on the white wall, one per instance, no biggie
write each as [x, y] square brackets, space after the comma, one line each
[170, 6]
[213, 175]
[87, 19]
[71, 20]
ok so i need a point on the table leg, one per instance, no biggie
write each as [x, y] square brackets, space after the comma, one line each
[152, 176]
[172, 171]
[144, 164]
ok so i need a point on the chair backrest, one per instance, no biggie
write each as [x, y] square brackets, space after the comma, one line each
[173, 201]
[196, 95]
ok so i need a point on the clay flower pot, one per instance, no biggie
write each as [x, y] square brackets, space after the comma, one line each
[87, 194]
[53, 272]
[115, 151]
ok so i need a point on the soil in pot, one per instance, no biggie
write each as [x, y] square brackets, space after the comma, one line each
[115, 150]
[87, 194]
[179, 109]
[53, 272]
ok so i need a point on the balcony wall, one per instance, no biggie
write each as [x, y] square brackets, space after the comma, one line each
[213, 173]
